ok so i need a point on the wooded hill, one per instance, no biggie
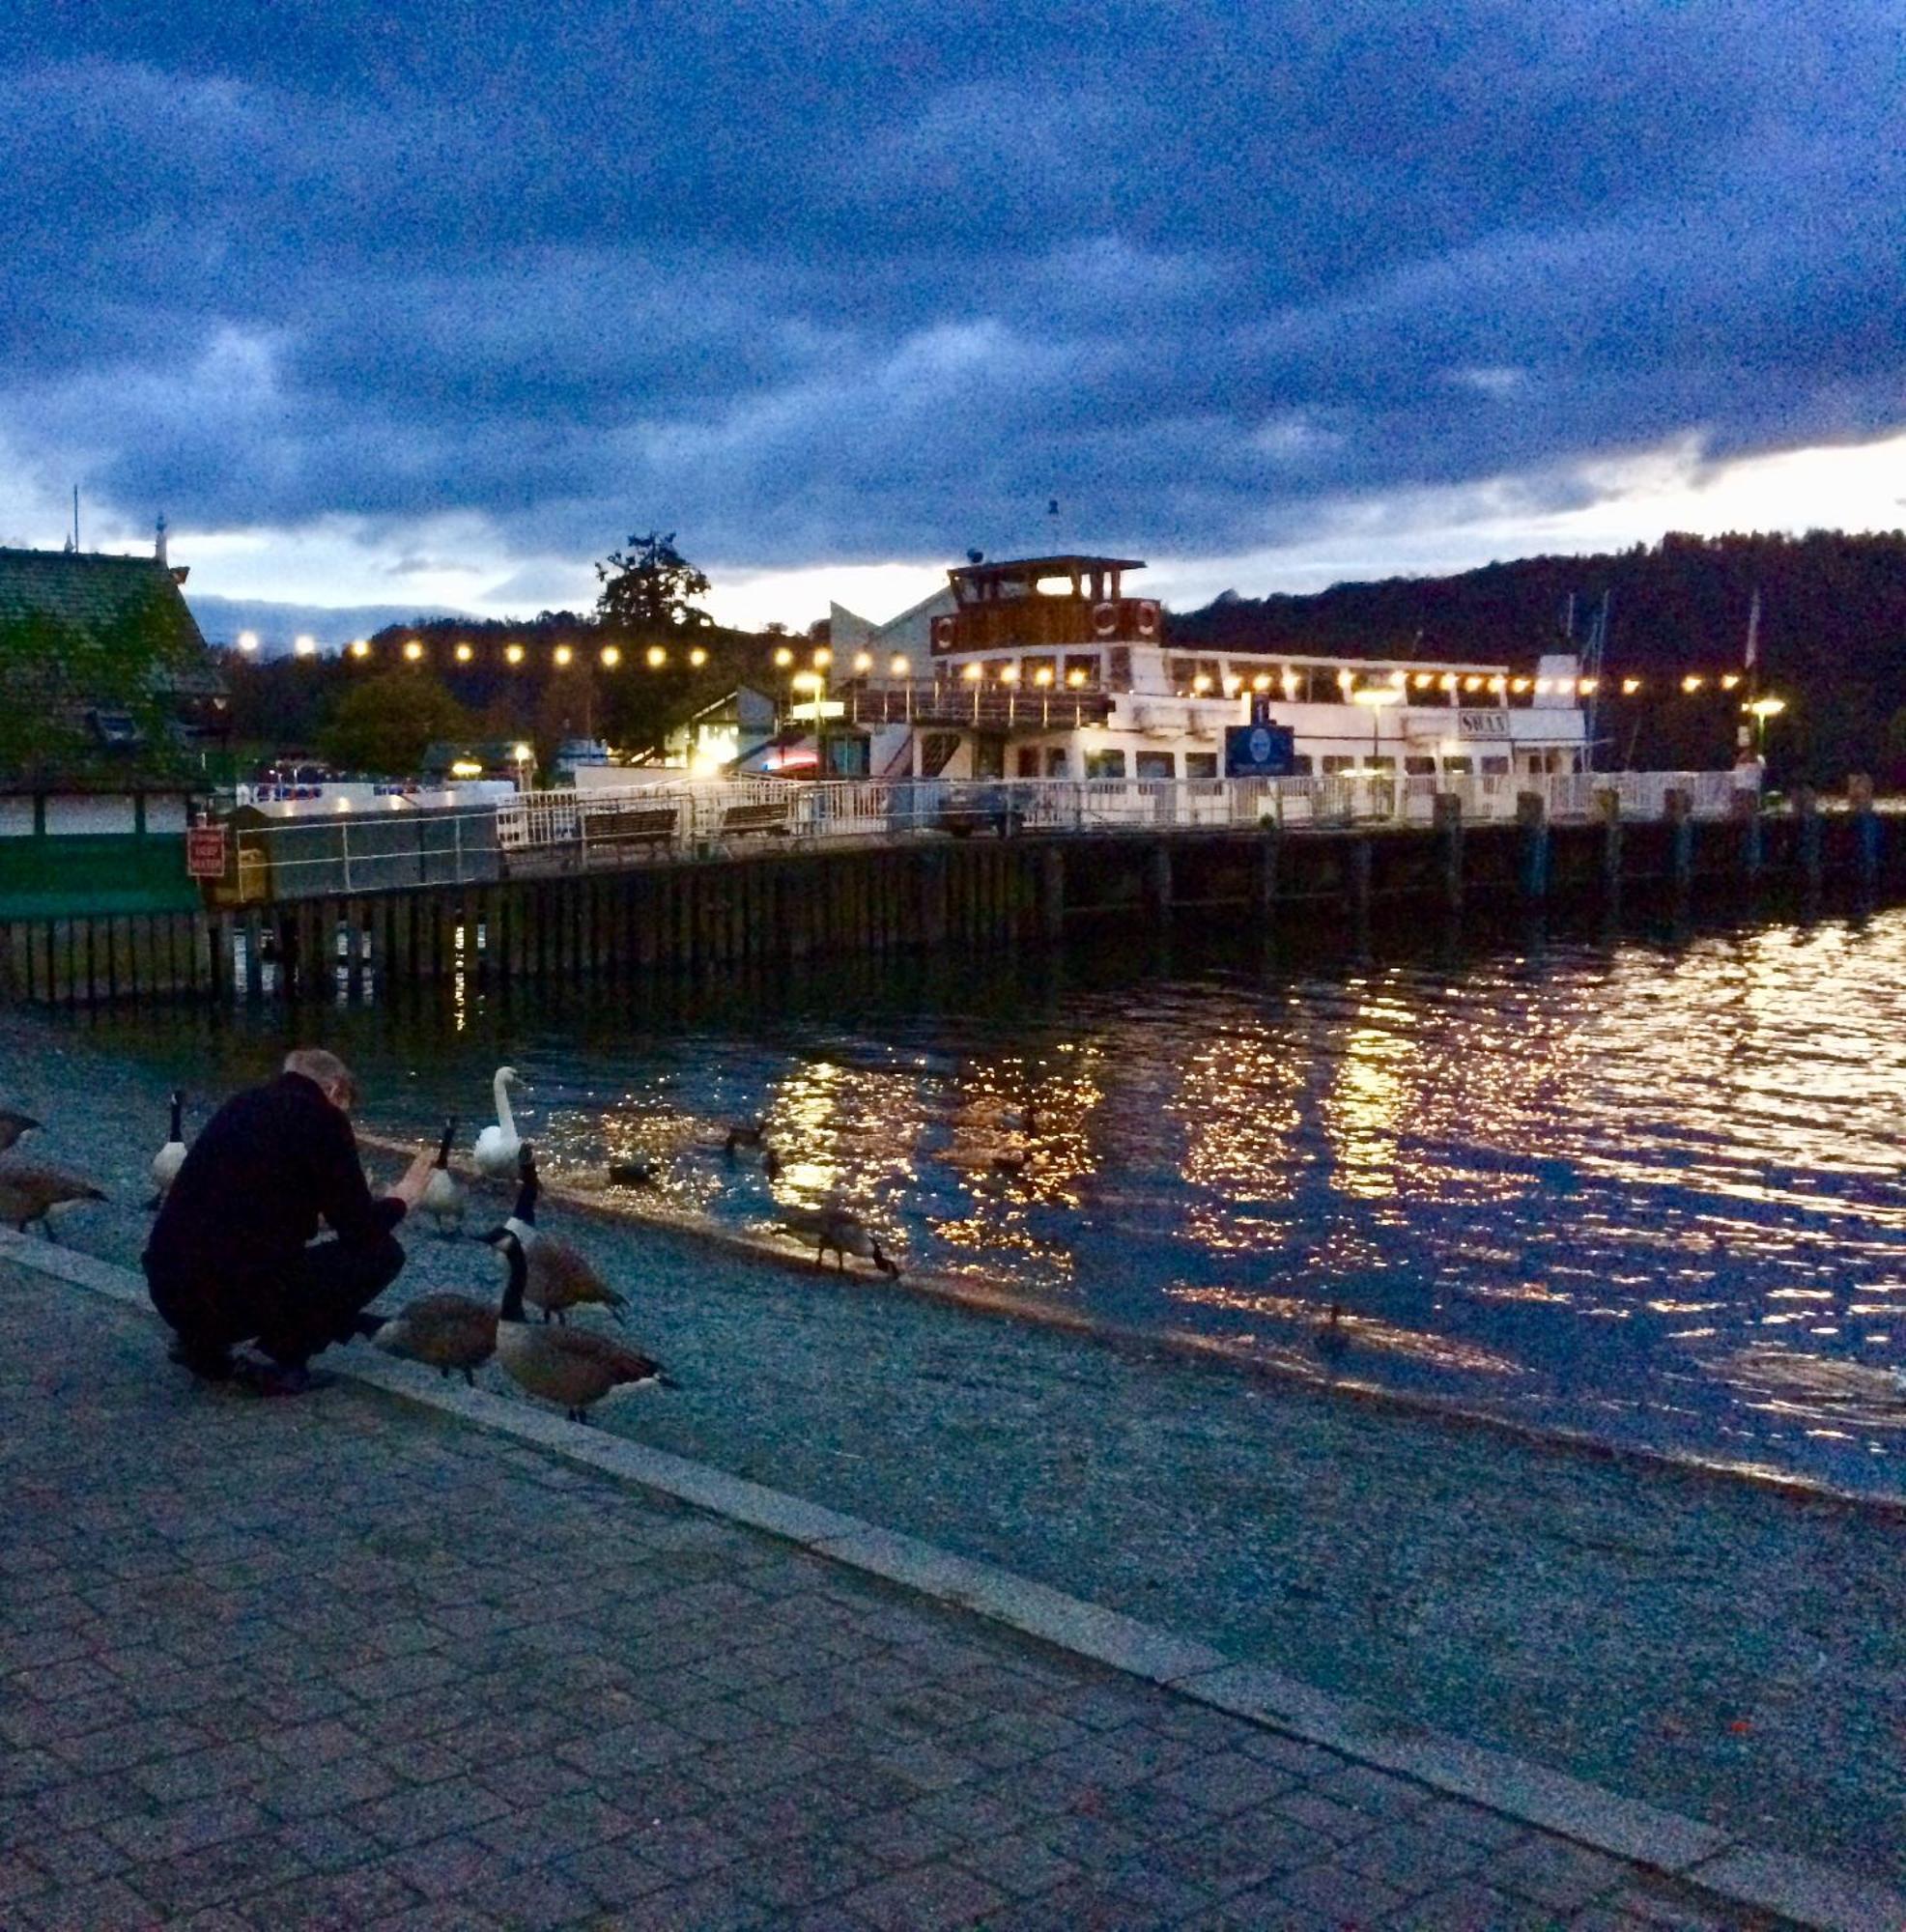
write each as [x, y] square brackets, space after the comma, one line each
[1832, 639]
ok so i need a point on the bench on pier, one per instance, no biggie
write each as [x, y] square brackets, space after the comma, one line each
[990, 811]
[774, 816]
[624, 828]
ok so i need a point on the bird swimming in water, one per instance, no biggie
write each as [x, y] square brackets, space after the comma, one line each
[640, 1173]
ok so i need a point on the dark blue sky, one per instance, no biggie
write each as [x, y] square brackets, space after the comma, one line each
[403, 293]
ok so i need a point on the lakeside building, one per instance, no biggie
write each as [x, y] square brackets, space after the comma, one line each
[113, 703]
[1043, 667]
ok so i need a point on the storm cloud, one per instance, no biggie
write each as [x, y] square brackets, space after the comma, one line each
[848, 283]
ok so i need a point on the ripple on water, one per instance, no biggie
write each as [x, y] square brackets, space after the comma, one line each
[1653, 1192]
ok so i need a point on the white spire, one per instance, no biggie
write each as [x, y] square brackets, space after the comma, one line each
[159, 538]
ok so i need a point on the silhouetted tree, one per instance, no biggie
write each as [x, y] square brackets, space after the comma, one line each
[383, 725]
[647, 588]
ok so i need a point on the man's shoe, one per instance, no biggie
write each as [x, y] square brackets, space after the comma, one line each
[207, 1360]
[275, 1378]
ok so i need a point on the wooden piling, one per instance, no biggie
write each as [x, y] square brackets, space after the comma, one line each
[1448, 820]
[1677, 812]
[1532, 846]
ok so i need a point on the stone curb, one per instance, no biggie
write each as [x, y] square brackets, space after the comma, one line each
[1730, 1871]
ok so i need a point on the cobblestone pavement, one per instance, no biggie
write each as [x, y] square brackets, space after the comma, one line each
[331, 1662]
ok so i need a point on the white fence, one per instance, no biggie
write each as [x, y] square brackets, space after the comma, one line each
[606, 829]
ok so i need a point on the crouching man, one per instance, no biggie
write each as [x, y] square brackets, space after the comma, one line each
[232, 1256]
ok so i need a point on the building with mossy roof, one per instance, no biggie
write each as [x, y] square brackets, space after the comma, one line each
[109, 704]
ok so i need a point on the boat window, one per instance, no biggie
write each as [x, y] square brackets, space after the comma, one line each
[1335, 763]
[1106, 765]
[1085, 664]
[1027, 762]
[1201, 764]
[1183, 670]
[1460, 768]
[1121, 668]
[1157, 765]
[1420, 768]
[1302, 765]
[1029, 668]
[1055, 764]
[936, 749]
[1495, 768]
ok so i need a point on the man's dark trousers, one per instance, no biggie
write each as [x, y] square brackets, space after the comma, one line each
[291, 1313]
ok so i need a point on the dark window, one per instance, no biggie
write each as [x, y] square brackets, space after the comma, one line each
[1420, 768]
[1157, 765]
[1025, 764]
[1055, 764]
[1201, 764]
[1106, 765]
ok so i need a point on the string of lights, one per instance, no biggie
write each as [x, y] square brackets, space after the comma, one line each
[516, 656]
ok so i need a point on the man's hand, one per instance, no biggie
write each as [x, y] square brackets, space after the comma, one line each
[416, 1178]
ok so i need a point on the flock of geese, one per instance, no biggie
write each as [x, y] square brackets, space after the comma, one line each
[573, 1367]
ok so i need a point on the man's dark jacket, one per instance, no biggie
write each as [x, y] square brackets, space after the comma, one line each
[270, 1164]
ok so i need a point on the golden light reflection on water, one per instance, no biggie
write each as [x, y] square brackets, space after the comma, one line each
[1591, 1178]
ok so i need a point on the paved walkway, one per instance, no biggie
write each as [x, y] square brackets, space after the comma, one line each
[335, 1661]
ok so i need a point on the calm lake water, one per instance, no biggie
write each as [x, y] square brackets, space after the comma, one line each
[1645, 1186]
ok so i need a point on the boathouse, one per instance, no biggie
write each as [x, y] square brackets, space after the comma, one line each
[113, 704]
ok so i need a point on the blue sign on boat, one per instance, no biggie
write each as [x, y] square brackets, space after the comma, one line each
[1260, 750]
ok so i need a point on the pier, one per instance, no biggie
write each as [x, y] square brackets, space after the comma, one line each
[558, 885]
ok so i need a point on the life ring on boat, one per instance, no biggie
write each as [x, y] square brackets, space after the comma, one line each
[1104, 619]
[943, 634]
[1148, 619]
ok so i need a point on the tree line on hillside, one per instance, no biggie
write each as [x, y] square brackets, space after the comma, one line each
[380, 721]
[1832, 639]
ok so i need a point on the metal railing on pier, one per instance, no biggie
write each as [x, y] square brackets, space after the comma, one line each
[601, 828]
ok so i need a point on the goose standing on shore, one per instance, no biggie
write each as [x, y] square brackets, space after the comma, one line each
[171, 1158]
[15, 1126]
[834, 1230]
[442, 1198]
[500, 1146]
[574, 1367]
[30, 1193]
[446, 1332]
[559, 1277]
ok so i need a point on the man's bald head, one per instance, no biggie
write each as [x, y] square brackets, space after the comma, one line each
[328, 1071]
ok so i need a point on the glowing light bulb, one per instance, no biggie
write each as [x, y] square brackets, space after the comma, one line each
[360, 648]
[513, 654]
[464, 653]
[899, 665]
[697, 657]
[656, 657]
[247, 641]
[563, 656]
[413, 650]
[611, 655]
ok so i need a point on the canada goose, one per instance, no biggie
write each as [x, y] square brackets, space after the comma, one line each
[29, 1194]
[442, 1198]
[498, 1147]
[845, 1234]
[171, 1158]
[559, 1277]
[13, 1126]
[446, 1331]
[1329, 1338]
[641, 1173]
[571, 1367]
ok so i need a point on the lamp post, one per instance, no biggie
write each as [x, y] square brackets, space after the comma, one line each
[1760, 710]
[1374, 697]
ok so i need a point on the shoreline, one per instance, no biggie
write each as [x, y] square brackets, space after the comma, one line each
[1201, 1350]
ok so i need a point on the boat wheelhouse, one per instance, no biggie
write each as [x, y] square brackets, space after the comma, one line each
[1047, 668]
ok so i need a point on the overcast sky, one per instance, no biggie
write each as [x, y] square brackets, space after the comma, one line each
[381, 301]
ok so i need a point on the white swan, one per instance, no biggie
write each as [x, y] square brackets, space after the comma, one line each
[498, 1148]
